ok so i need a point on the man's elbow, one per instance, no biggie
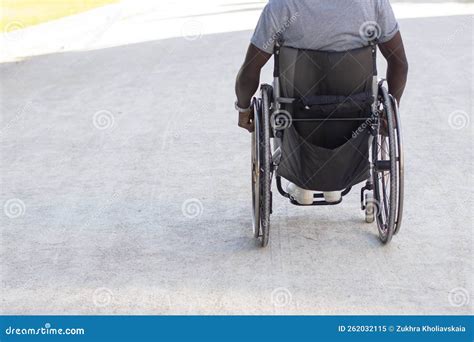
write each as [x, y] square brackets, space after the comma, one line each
[245, 80]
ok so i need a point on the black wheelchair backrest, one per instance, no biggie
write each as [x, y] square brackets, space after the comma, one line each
[331, 97]
[305, 73]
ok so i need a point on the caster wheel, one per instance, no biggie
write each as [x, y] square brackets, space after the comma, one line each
[369, 208]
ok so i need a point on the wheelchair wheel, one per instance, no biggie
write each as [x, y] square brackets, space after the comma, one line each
[386, 171]
[400, 166]
[261, 168]
[266, 168]
[255, 169]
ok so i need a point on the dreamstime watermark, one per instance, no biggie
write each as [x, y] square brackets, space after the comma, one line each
[14, 208]
[102, 297]
[179, 126]
[46, 330]
[192, 208]
[13, 31]
[281, 119]
[363, 127]
[281, 297]
[16, 119]
[372, 208]
[370, 31]
[192, 29]
[281, 30]
[103, 119]
[114, 15]
[458, 120]
[462, 28]
[459, 296]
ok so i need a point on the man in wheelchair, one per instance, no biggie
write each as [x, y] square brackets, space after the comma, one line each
[326, 92]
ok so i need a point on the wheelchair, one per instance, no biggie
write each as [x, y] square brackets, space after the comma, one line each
[326, 124]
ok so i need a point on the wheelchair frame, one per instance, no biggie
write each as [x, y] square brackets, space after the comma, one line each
[382, 195]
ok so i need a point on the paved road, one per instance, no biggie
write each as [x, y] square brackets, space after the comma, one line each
[125, 189]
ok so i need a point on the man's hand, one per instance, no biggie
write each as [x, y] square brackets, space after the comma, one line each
[246, 120]
[384, 123]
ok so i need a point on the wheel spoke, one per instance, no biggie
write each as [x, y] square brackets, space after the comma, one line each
[381, 149]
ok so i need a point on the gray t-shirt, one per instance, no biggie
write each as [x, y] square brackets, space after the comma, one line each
[327, 25]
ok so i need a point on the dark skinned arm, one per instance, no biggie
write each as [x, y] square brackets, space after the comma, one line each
[247, 82]
[397, 65]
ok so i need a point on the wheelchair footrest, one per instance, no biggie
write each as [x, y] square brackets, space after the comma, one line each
[292, 201]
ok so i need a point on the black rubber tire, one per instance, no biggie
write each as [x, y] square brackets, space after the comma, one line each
[265, 168]
[384, 148]
[400, 166]
[255, 169]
